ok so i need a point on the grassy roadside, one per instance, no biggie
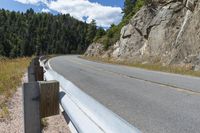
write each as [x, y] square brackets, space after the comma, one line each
[183, 70]
[11, 73]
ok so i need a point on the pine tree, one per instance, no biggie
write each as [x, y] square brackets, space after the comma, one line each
[91, 31]
[128, 7]
[25, 34]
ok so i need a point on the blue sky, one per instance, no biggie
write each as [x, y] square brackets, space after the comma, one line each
[17, 6]
[118, 3]
[105, 12]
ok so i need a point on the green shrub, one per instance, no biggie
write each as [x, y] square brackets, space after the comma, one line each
[113, 34]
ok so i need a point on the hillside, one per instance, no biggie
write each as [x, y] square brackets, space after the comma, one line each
[165, 32]
[28, 33]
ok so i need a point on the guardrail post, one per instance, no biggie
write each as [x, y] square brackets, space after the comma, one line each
[39, 73]
[49, 101]
[31, 74]
[31, 101]
[40, 98]
[35, 71]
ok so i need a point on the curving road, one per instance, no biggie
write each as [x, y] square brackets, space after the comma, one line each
[154, 102]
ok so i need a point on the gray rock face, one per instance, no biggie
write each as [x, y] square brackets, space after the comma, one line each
[168, 33]
[95, 49]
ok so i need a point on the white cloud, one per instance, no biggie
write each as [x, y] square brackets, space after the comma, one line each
[31, 1]
[45, 10]
[104, 15]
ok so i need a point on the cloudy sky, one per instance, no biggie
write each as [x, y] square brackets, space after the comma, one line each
[105, 12]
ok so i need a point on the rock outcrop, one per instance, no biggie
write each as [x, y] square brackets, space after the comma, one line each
[168, 33]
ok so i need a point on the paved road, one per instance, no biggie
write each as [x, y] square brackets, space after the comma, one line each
[154, 102]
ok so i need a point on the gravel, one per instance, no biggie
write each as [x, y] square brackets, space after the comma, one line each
[56, 124]
[14, 122]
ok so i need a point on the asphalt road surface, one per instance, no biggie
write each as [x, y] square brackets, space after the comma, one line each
[154, 102]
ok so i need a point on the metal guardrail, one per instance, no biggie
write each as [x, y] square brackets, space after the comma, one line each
[86, 114]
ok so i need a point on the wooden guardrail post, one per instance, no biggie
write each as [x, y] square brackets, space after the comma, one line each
[39, 73]
[31, 74]
[35, 71]
[49, 98]
[40, 98]
[31, 97]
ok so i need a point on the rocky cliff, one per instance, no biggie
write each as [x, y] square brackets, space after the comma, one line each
[167, 32]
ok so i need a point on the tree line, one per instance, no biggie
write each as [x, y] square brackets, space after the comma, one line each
[29, 33]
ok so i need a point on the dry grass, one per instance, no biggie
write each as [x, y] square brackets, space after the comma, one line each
[11, 73]
[184, 70]
[44, 123]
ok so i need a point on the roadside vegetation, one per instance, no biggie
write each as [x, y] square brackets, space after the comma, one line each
[112, 35]
[183, 70]
[28, 33]
[11, 73]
